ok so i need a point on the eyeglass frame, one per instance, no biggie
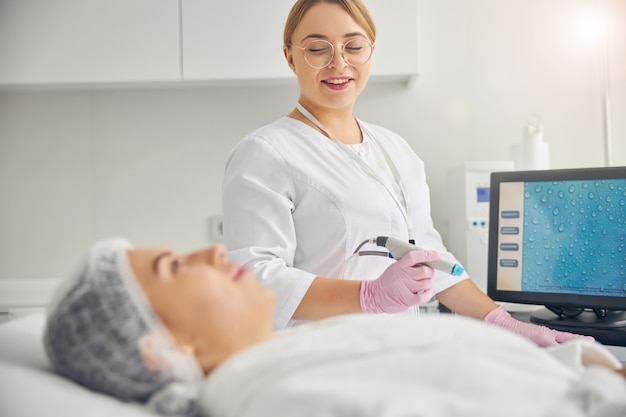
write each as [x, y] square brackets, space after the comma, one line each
[303, 49]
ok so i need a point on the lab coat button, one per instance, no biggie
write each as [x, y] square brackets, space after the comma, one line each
[362, 154]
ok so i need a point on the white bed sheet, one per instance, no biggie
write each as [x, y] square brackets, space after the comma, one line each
[30, 388]
[434, 366]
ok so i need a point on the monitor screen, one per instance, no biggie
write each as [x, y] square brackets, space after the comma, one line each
[558, 238]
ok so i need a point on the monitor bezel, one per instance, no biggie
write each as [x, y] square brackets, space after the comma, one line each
[539, 298]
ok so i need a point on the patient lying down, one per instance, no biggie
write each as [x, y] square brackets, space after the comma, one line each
[192, 335]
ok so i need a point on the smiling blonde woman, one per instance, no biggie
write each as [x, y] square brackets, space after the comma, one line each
[301, 194]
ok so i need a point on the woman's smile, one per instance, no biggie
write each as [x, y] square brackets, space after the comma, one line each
[338, 83]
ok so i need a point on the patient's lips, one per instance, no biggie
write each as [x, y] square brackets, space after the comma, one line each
[238, 272]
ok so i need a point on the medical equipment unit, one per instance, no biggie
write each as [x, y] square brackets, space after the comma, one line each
[468, 214]
[557, 238]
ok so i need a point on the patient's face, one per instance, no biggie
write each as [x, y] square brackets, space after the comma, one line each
[203, 298]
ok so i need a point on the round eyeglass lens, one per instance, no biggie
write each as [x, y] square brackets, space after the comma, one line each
[320, 53]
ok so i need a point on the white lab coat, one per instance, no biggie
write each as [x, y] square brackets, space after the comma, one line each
[295, 206]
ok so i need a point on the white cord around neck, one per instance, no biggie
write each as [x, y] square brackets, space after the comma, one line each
[404, 208]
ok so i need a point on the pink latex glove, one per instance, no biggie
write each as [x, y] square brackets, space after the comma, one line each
[541, 335]
[403, 284]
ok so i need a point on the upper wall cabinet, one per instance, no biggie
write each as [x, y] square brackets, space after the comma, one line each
[231, 40]
[89, 42]
[96, 43]
[397, 39]
[243, 41]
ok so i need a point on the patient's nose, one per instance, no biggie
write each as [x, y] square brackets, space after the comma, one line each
[215, 256]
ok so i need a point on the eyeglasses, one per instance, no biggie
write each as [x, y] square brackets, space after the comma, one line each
[320, 53]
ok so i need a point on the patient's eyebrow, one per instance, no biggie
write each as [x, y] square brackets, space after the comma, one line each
[157, 259]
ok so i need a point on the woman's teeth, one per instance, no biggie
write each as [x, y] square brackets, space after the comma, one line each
[342, 81]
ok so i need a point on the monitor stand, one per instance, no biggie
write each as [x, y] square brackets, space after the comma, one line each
[607, 327]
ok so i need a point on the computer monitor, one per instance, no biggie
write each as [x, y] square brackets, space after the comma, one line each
[557, 238]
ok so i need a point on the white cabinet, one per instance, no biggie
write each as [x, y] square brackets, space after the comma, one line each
[243, 40]
[60, 42]
[397, 39]
[89, 43]
[234, 40]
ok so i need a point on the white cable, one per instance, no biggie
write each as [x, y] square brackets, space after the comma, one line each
[342, 271]
[361, 253]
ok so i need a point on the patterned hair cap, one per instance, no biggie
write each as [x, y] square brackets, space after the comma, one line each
[102, 333]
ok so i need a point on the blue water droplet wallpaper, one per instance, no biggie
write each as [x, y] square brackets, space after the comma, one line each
[585, 225]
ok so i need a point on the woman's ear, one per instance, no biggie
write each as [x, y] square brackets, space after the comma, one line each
[188, 350]
[289, 58]
[185, 345]
[154, 351]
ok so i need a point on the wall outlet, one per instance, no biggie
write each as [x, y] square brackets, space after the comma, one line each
[215, 229]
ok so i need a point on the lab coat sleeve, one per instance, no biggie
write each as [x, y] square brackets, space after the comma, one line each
[259, 233]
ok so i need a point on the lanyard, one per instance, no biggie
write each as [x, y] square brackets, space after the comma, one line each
[404, 209]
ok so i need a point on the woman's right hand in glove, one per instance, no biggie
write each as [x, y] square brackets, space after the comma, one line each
[403, 284]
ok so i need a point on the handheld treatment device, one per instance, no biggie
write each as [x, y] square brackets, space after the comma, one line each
[398, 248]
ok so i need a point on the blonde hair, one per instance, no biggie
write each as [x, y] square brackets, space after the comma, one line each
[355, 8]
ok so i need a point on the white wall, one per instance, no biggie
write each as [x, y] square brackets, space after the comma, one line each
[147, 163]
